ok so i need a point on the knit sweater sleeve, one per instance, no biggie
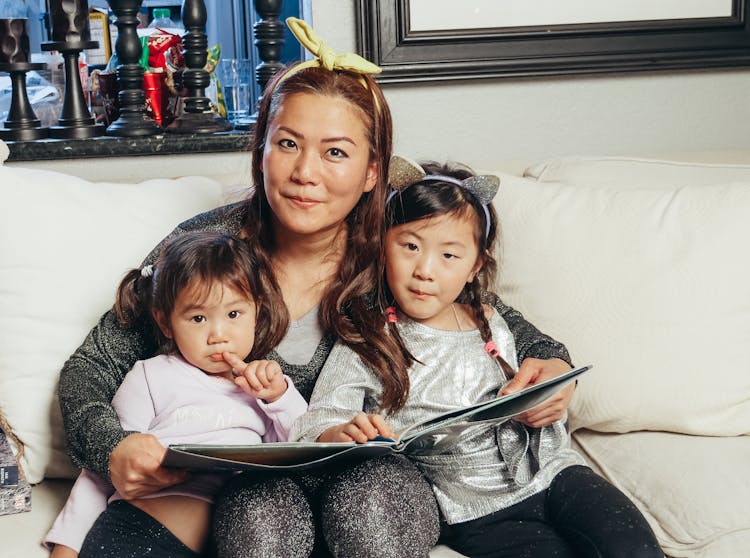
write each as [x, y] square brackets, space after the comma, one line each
[88, 381]
[91, 376]
[530, 342]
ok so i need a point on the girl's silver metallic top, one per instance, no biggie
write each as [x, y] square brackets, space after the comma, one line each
[490, 466]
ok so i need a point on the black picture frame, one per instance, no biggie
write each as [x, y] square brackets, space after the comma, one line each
[383, 36]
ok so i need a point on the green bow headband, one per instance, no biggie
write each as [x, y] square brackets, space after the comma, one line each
[325, 57]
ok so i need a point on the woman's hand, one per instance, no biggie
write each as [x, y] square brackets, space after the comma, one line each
[360, 429]
[262, 379]
[135, 467]
[533, 371]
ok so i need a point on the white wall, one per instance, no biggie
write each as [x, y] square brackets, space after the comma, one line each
[480, 122]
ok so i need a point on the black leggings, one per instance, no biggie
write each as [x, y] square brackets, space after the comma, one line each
[122, 530]
[579, 515]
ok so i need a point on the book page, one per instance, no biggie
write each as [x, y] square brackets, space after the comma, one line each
[497, 410]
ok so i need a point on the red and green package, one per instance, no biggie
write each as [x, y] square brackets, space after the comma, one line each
[161, 44]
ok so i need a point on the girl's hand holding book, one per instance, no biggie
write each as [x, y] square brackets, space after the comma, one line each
[362, 428]
[533, 371]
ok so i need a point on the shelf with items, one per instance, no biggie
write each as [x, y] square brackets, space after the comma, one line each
[108, 147]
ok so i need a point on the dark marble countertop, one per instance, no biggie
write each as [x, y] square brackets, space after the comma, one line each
[110, 146]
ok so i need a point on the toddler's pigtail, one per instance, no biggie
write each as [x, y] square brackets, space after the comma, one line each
[133, 299]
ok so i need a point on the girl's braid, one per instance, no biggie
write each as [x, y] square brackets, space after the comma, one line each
[475, 301]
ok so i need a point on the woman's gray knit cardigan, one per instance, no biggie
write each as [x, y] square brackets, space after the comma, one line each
[91, 376]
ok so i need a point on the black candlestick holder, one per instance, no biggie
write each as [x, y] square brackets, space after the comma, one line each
[133, 120]
[197, 116]
[22, 123]
[75, 120]
[70, 36]
[269, 40]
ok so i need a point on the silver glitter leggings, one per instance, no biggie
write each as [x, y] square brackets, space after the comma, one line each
[380, 508]
[580, 515]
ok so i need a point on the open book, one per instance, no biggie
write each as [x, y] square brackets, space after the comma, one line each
[440, 430]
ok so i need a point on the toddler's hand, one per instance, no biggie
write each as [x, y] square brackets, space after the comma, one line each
[260, 378]
[361, 428]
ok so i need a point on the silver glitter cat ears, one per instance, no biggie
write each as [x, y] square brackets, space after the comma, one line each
[404, 172]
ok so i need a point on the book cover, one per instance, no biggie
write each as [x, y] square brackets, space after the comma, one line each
[441, 429]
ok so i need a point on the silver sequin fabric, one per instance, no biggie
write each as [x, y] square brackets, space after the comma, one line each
[488, 467]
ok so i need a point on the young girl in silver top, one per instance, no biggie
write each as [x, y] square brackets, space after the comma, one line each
[503, 489]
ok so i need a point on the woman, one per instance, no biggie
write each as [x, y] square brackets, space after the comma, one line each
[314, 222]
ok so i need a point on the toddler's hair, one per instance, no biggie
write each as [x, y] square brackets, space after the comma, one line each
[206, 258]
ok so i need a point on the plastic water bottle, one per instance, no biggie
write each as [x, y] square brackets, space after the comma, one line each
[162, 20]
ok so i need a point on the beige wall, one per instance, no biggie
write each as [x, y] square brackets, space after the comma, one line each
[484, 121]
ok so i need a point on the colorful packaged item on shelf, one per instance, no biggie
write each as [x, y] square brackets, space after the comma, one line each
[161, 45]
[15, 491]
[163, 63]
[157, 93]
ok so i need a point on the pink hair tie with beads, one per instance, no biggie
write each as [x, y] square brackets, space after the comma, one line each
[491, 349]
[391, 313]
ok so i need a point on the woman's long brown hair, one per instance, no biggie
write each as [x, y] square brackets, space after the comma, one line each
[347, 309]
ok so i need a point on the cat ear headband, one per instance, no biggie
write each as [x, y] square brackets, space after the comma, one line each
[404, 172]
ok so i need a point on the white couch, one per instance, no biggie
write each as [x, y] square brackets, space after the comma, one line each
[639, 266]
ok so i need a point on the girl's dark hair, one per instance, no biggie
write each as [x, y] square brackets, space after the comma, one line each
[346, 309]
[209, 258]
[429, 199]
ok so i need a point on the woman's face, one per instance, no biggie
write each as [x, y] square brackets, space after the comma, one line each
[316, 163]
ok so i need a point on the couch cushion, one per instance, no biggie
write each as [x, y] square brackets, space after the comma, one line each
[65, 245]
[692, 489]
[626, 172]
[648, 285]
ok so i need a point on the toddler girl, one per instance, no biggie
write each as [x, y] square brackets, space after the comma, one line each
[201, 299]
[503, 489]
